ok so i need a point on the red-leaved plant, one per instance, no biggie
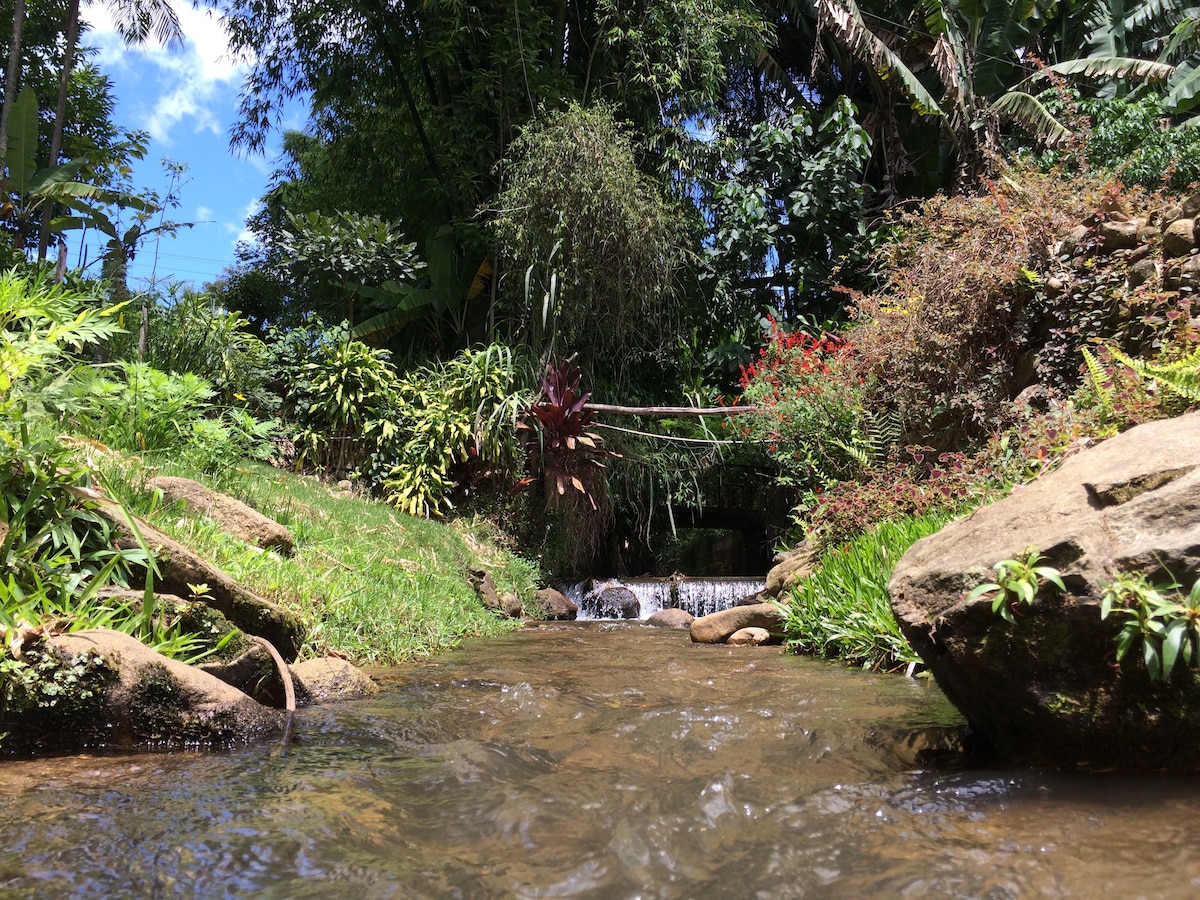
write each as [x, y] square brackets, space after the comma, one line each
[560, 446]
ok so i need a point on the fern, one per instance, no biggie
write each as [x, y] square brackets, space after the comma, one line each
[1097, 377]
[1181, 376]
[870, 445]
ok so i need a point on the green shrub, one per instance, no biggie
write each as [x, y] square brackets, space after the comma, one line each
[842, 609]
[188, 332]
[142, 409]
[1125, 137]
[457, 430]
[810, 408]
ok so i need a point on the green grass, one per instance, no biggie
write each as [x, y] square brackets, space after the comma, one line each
[373, 584]
[842, 609]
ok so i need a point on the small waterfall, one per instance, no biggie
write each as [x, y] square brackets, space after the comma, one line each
[698, 596]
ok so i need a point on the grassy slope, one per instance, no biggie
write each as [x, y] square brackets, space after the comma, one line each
[373, 584]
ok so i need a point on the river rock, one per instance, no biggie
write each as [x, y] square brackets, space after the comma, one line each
[330, 679]
[1119, 235]
[792, 568]
[117, 692]
[253, 672]
[1047, 687]
[716, 628]
[555, 606]
[671, 618]
[1189, 273]
[618, 603]
[232, 515]
[1073, 242]
[1179, 238]
[1141, 272]
[749, 637]
[1190, 208]
[485, 588]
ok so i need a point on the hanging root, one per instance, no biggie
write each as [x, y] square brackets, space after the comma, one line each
[289, 690]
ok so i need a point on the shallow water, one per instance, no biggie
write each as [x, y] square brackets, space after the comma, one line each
[598, 760]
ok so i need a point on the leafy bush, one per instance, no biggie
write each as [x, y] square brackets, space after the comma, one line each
[142, 410]
[456, 430]
[189, 332]
[591, 239]
[842, 609]
[339, 258]
[787, 202]
[165, 417]
[1125, 137]
[560, 446]
[343, 404]
[925, 483]
[939, 345]
[1164, 618]
[810, 407]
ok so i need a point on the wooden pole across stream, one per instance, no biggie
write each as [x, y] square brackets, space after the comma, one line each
[669, 410]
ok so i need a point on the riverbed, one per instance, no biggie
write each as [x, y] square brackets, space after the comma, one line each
[599, 760]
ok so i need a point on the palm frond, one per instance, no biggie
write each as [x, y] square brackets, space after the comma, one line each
[1183, 41]
[844, 21]
[1149, 14]
[1103, 67]
[1030, 112]
[1184, 88]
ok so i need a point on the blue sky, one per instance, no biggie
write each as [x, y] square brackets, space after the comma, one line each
[186, 99]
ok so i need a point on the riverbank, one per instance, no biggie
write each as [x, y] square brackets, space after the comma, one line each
[371, 584]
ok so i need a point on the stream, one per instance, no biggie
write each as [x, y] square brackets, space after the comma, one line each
[598, 760]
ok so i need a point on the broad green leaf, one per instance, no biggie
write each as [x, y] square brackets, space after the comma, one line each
[1172, 643]
[1051, 575]
[22, 141]
[1106, 67]
[1184, 88]
[1152, 657]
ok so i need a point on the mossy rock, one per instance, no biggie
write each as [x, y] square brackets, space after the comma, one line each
[124, 695]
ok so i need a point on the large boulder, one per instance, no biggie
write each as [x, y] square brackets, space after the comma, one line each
[113, 691]
[1047, 687]
[618, 603]
[715, 628]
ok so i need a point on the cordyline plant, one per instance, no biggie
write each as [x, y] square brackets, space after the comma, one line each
[560, 446]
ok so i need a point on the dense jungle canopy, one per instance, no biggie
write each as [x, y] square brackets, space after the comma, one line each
[665, 192]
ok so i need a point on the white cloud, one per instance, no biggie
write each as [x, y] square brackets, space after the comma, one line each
[241, 232]
[204, 215]
[187, 83]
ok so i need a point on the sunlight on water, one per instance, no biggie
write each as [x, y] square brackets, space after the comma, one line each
[598, 760]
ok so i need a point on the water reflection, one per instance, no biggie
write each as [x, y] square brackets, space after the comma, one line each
[611, 761]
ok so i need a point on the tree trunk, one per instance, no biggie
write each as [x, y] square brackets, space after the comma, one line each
[60, 115]
[10, 79]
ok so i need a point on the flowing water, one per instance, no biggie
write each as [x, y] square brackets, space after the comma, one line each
[698, 596]
[598, 760]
